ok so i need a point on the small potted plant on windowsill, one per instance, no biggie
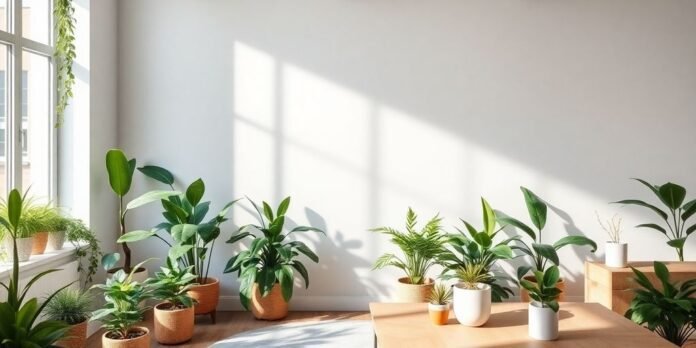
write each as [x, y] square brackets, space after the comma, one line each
[421, 250]
[57, 234]
[615, 251]
[439, 303]
[472, 295]
[543, 310]
[71, 306]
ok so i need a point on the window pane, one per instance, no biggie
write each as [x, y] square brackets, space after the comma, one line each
[36, 20]
[3, 15]
[35, 135]
[3, 120]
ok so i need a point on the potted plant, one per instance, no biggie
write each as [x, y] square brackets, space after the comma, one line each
[540, 253]
[71, 306]
[615, 251]
[39, 220]
[671, 313]
[190, 237]
[267, 269]
[26, 230]
[87, 250]
[472, 295]
[675, 218]
[57, 234]
[174, 317]
[20, 324]
[122, 310]
[477, 247]
[439, 304]
[420, 249]
[543, 310]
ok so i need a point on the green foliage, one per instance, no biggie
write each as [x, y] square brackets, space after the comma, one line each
[671, 313]
[20, 324]
[476, 249]
[86, 246]
[64, 12]
[70, 305]
[420, 249]
[672, 197]
[172, 284]
[472, 274]
[122, 309]
[441, 294]
[544, 291]
[271, 258]
[36, 217]
[539, 252]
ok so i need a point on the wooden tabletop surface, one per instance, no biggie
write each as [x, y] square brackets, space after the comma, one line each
[582, 325]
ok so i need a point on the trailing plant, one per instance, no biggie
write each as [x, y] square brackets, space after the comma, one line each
[172, 284]
[72, 306]
[477, 248]
[671, 313]
[65, 54]
[471, 275]
[544, 291]
[87, 249]
[611, 227]
[271, 258]
[540, 253]
[421, 248]
[122, 310]
[440, 295]
[189, 236]
[20, 324]
[120, 171]
[675, 218]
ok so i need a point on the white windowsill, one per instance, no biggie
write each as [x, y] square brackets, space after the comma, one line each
[38, 263]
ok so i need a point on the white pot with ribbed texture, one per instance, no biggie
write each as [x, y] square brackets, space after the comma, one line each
[472, 307]
[55, 241]
[543, 322]
[24, 246]
[616, 254]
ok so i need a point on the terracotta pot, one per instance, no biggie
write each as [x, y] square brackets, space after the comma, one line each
[24, 246]
[76, 336]
[55, 240]
[173, 326]
[524, 295]
[207, 295]
[439, 314]
[138, 342]
[271, 307]
[410, 293]
[40, 242]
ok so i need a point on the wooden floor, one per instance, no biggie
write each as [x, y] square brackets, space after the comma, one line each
[230, 323]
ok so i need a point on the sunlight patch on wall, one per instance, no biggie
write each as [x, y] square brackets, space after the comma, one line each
[254, 85]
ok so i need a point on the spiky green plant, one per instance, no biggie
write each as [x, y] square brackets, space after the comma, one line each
[420, 248]
[440, 295]
[472, 274]
[70, 305]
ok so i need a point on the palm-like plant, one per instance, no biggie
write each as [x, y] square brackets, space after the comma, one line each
[441, 295]
[671, 313]
[472, 274]
[71, 306]
[421, 249]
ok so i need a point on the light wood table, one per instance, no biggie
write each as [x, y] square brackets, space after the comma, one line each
[612, 287]
[582, 325]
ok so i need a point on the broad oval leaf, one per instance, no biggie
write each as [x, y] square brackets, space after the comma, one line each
[502, 252]
[119, 171]
[135, 236]
[551, 277]
[677, 243]
[536, 207]
[283, 206]
[672, 195]
[14, 208]
[179, 250]
[575, 240]
[109, 260]
[158, 173]
[547, 252]
[195, 192]
[183, 232]
[150, 197]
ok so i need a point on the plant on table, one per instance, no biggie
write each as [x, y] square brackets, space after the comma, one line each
[439, 303]
[675, 218]
[543, 309]
[615, 252]
[271, 260]
[671, 313]
[612, 227]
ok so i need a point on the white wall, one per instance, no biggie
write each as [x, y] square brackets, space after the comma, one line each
[359, 109]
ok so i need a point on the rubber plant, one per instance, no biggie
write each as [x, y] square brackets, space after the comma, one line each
[272, 257]
[64, 54]
[675, 217]
[544, 291]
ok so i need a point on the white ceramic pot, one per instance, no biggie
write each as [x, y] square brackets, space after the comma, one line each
[24, 247]
[55, 240]
[616, 254]
[472, 307]
[543, 322]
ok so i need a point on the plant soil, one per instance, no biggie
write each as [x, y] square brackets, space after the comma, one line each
[170, 307]
[131, 335]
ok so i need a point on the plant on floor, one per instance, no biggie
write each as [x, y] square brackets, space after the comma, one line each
[72, 306]
[675, 218]
[63, 12]
[20, 324]
[171, 284]
[441, 295]
[540, 253]
[271, 258]
[421, 248]
[87, 249]
[671, 313]
[544, 291]
[478, 250]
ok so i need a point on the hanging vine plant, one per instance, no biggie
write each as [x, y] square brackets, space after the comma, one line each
[64, 54]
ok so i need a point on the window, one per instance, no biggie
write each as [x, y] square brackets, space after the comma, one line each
[27, 135]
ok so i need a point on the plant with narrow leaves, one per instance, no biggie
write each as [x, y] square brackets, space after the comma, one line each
[471, 274]
[477, 248]
[675, 218]
[540, 253]
[72, 306]
[544, 291]
[65, 54]
[171, 284]
[440, 295]
[271, 258]
[421, 248]
[671, 313]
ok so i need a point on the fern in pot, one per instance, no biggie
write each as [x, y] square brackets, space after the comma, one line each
[267, 268]
[439, 304]
[421, 249]
[543, 309]
[73, 307]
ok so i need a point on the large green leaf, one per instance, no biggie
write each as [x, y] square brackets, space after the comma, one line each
[547, 252]
[208, 232]
[662, 273]
[536, 207]
[286, 279]
[135, 236]
[654, 227]
[183, 232]
[283, 206]
[195, 192]
[657, 210]
[150, 197]
[506, 220]
[575, 240]
[551, 277]
[119, 170]
[14, 208]
[179, 250]
[303, 272]
[175, 210]
[654, 188]
[110, 260]
[267, 211]
[502, 252]
[672, 195]
[677, 243]
[483, 239]
[158, 173]
[488, 217]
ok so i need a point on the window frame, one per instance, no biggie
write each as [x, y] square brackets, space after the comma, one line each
[16, 44]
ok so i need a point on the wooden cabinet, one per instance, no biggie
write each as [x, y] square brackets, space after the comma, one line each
[612, 287]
